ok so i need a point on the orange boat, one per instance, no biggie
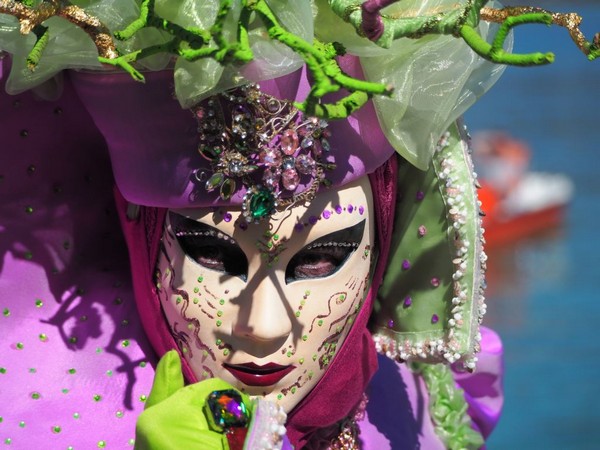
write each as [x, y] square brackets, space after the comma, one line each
[518, 203]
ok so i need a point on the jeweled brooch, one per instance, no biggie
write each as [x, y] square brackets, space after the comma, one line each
[263, 145]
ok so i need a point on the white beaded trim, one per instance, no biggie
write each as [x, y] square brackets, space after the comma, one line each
[268, 426]
[448, 348]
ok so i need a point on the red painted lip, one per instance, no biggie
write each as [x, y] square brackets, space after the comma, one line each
[254, 375]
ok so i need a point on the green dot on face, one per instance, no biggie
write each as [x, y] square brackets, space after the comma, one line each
[289, 354]
[219, 323]
[294, 390]
[307, 293]
[221, 301]
[320, 323]
[226, 352]
[219, 313]
[297, 314]
[219, 342]
[301, 361]
[279, 396]
[196, 300]
[200, 279]
[178, 300]
[196, 290]
[314, 357]
[305, 338]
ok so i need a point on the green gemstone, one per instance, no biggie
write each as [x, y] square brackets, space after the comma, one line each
[143, 398]
[56, 429]
[227, 189]
[214, 181]
[43, 337]
[261, 203]
[2, 370]
[6, 312]
[35, 395]
[119, 414]
[97, 398]
[72, 371]
[101, 444]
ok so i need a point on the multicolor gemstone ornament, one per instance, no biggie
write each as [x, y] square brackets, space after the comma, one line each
[264, 146]
[226, 409]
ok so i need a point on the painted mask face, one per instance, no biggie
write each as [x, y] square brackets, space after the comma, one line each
[267, 306]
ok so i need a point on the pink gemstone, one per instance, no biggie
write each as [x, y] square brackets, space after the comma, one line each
[317, 148]
[305, 164]
[271, 178]
[289, 142]
[270, 157]
[290, 179]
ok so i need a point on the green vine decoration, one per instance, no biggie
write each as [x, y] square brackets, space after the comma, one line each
[193, 44]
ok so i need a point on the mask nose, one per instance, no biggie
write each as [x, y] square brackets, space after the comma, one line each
[264, 315]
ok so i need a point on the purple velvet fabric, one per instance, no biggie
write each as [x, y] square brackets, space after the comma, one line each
[153, 142]
[74, 361]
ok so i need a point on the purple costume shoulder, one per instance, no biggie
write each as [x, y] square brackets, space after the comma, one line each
[398, 415]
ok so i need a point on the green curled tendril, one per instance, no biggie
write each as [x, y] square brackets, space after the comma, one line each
[193, 43]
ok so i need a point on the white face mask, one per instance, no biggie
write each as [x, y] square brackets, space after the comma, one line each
[267, 306]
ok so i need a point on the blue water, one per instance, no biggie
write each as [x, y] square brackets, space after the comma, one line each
[544, 296]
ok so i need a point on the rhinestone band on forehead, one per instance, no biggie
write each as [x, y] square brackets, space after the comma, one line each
[264, 146]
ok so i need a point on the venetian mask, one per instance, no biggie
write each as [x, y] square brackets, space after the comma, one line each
[267, 306]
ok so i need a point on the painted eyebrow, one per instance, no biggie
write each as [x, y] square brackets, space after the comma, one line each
[352, 235]
[184, 226]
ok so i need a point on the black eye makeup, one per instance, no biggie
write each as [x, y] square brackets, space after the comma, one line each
[209, 247]
[326, 255]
